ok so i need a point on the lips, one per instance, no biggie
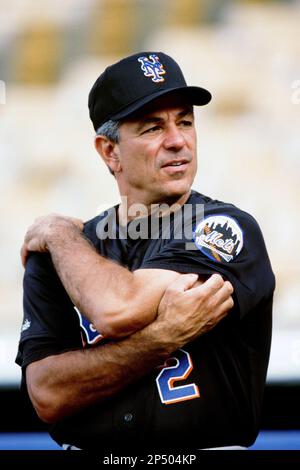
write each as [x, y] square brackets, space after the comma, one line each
[175, 163]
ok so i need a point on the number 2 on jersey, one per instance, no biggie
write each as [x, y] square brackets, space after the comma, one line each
[169, 375]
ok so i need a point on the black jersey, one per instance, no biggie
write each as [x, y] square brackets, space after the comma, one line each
[212, 393]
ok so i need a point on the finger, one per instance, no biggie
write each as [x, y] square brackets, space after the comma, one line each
[224, 308]
[24, 254]
[229, 304]
[183, 282]
[214, 282]
[223, 293]
[28, 234]
[210, 286]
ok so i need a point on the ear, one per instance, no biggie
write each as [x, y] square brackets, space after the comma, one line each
[109, 152]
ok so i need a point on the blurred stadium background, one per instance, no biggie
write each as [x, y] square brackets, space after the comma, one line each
[247, 53]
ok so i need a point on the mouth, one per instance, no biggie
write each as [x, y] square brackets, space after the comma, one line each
[174, 166]
[176, 162]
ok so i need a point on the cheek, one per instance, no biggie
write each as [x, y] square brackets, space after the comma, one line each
[145, 162]
[136, 167]
[195, 163]
[193, 148]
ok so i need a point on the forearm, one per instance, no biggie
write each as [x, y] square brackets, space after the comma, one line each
[99, 287]
[63, 384]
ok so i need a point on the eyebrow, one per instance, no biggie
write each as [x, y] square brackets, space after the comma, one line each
[155, 119]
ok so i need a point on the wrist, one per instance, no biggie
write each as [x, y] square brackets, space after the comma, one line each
[59, 231]
[161, 339]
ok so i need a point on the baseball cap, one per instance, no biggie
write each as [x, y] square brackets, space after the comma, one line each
[134, 81]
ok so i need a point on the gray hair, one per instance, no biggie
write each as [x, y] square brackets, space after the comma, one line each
[110, 129]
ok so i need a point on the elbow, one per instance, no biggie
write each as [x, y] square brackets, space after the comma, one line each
[111, 330]
[124, 321]
[44, 404]
[117, 327]
[45, 399]
[47, 413]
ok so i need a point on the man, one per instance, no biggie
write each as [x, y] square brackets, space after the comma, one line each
[165, 358]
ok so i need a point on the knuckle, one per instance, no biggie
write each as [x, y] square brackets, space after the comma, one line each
[171, 290]
[213, 284]
[27, 237]
[211, 304]
[218, 280]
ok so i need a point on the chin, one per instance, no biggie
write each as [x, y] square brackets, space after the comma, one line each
[174, 193]
[178, 188]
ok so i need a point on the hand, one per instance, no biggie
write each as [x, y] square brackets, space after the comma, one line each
[39, 233]
[186, 312]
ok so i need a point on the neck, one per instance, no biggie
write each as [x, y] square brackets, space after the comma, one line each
[130, 208]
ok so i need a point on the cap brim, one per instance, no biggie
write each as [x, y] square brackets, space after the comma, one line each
[195, 95]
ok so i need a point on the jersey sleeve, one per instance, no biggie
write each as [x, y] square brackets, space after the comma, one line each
[50, 324]
[230, 244]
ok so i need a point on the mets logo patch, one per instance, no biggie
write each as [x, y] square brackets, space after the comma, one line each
[152, 68]
[89, 334]
[219, 237]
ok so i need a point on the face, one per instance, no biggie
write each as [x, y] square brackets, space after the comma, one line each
[157, 152]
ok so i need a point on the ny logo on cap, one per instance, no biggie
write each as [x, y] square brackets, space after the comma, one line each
[152, 68]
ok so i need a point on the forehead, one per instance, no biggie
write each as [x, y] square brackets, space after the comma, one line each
[169, 102]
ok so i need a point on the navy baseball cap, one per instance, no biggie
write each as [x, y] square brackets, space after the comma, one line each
[134, 81]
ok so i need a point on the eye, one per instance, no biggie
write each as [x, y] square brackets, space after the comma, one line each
[186, 123]
[152, 129]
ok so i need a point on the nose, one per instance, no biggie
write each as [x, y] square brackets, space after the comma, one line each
[174, 140]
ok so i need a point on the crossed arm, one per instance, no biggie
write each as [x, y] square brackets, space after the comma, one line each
[123, 304]
[118, 302]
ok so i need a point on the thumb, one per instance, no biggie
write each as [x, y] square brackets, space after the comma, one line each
[184, 282]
